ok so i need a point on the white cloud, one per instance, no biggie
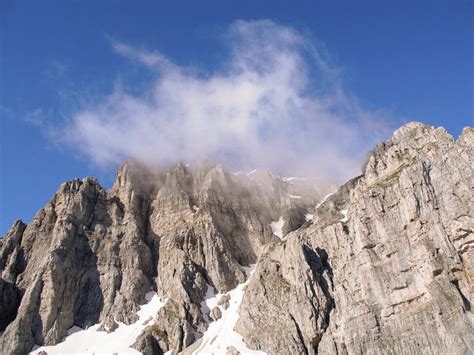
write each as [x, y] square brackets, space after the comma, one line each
[151, 59]
[276, 104]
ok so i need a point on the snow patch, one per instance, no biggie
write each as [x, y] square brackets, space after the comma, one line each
[292, 178]
[209, 302]
[345, 218]
[324, 199]
[293, 196]
[237, 173]
[277, 227]
[309, 216]
[220, 335]
[90, 340]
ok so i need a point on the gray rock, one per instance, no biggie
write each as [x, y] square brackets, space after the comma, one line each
[287, 304]
[232, 351]
[385, 266]
[216, 313]
[81, 263]
[224, 301]
[90, 255]
[395, 247]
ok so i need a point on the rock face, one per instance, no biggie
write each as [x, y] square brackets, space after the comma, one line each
[385, 265]
[91, 255]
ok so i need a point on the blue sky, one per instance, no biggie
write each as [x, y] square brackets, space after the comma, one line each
[409, 60]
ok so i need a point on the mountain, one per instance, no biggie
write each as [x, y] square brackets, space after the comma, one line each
[195, 259]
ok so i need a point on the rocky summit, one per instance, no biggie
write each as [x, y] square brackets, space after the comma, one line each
[197, 260]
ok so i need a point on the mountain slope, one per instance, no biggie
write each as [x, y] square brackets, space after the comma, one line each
[383, 265]
[387, 264]
[92, 255]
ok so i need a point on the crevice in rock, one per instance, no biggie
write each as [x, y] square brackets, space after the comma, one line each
[181, 338]
[318, 262]
[465, 301]
[10, 299]
[152, 241]
[300, 334]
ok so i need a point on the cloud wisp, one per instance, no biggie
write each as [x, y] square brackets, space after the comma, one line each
[275, 103]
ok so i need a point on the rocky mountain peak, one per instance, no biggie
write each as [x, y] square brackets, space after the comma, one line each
[466, 137]
[97, 253]
[381, 265]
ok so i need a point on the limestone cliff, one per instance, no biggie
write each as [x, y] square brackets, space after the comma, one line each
[387, 264]
[383, 265]
[91, 255]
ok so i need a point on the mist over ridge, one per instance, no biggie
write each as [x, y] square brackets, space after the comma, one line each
[275, 104]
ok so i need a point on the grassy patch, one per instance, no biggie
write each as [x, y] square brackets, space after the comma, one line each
[280, 282]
